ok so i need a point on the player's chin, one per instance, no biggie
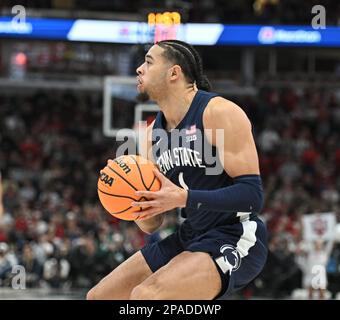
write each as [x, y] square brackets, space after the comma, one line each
[142, 96]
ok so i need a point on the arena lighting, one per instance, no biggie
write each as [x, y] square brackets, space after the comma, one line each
[20, 59]
[167, 25]
[166, 18]
[164, 25]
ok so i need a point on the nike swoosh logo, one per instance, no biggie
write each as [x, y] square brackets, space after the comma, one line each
[198, 205]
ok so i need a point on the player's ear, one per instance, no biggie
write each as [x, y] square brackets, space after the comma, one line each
[175, 72]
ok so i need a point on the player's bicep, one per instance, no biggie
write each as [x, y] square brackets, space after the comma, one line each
[238, 151]
[234, 139]
[239, 155]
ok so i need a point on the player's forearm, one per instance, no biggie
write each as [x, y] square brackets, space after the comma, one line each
[245, 195]
[150, 225]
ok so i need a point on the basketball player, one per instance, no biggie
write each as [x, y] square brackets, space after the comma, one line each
[221, 245]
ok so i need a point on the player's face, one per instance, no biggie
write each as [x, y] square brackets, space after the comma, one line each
[152, 73]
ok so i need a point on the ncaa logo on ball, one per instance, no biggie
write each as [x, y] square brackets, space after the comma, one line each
[106, 178]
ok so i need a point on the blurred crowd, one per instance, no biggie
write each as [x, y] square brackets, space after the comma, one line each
[297, 134]
[200, 11]
[53, 224]
[52, 149]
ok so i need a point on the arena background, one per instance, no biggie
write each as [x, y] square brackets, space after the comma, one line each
[65, 68]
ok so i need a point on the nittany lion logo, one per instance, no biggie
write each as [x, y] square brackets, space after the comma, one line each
[231, 257]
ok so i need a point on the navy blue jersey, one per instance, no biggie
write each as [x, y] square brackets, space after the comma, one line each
[187, 160]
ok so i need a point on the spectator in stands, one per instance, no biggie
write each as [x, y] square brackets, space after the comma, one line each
[32, 267]
[314, 267]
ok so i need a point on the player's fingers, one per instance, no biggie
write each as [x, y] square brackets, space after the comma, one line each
[147, 214]
[145, 204]
[148, 217]
[109, 161]
[159, 175]
[147, 194]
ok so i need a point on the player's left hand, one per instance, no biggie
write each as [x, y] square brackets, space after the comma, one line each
[167, 198]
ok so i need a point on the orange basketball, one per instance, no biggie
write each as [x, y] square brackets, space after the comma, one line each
[119, 181]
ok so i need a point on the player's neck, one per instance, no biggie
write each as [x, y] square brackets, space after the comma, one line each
[175, 105]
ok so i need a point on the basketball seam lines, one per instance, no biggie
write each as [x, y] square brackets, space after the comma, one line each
[121, 211]
[131, 185]
[154, 178]
[140, 172]
[116, 195]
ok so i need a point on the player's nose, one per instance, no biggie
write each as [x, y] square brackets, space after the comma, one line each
[139, 70]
